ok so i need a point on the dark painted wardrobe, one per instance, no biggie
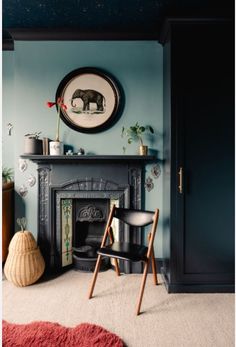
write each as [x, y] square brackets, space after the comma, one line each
[198, 243]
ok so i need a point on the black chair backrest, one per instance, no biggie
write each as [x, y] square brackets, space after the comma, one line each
[136, 218]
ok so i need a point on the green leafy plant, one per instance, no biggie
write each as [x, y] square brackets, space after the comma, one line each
[7, 175]
[135, 133]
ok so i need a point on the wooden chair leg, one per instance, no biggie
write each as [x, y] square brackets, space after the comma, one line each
[97, 267]
[115, 260]
[145, 271]
[154, 268]
[117, 267]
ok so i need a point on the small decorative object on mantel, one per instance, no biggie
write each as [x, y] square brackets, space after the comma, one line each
[46, 142]
[56, 147]
[92, 97]
[135, 133]
[24, 264]
[149, 185]
[33, 145]
[81, 151]
[69, 152]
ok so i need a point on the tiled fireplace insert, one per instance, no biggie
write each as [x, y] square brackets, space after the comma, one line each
[74, 197]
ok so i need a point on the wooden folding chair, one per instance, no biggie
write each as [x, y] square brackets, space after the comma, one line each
[129, 251]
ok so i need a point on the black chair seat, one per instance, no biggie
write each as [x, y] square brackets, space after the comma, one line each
[124, 250]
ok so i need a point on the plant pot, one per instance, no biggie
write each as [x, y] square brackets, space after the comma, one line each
[143, 150]
[56, 148]
[33, 146]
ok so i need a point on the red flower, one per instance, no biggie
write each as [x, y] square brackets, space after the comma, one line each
[59, 103]
[50, 104]
[64, 106]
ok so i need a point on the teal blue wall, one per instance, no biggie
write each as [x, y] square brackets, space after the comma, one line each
[31, 75]
[8, 67]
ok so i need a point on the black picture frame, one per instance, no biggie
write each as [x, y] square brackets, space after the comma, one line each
[93, 100]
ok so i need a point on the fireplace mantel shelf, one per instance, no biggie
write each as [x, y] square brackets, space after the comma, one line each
[41, 159]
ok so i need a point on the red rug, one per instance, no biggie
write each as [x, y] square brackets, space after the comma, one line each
[46, 334]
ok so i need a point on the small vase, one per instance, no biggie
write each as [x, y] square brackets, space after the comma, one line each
[143, 150]
[56, 148]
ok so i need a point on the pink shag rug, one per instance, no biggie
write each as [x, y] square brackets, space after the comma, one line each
[46, 334]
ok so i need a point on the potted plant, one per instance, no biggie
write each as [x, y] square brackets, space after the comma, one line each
[7, 175]
[33, 145]
[56, 147]
[135, 133]
[7, 209]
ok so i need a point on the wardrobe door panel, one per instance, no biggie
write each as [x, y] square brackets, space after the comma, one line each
[199, 156]
[207, 155]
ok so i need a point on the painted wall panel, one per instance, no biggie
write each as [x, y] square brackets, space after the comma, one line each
[31, 75]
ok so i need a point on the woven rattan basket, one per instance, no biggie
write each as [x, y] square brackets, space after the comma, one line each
[24, 264]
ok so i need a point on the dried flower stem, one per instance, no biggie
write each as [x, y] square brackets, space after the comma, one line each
[58, 125]
[60, 105]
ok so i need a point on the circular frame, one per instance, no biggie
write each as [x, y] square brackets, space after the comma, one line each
[92, 98]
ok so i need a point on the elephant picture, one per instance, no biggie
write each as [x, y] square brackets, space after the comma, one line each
[92, 98]
[89, 96]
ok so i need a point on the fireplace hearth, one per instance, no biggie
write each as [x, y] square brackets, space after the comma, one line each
[74, 197]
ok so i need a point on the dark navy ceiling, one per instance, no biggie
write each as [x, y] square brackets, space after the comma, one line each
[101, 16]
[86, 14]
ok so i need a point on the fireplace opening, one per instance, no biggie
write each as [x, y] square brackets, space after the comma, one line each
[81, 217]
[90, 216]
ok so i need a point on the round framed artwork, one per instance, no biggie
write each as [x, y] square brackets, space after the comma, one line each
[92, 99]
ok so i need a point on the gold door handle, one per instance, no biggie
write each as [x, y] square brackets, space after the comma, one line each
[180, 173]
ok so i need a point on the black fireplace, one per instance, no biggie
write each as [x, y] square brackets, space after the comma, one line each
[74, 197]
[89, 222]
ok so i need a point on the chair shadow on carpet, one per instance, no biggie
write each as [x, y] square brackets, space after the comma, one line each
[176, 303]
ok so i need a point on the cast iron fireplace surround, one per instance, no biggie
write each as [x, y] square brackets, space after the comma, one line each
[85, 178]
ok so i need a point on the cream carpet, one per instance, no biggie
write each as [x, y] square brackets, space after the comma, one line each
[176, 320]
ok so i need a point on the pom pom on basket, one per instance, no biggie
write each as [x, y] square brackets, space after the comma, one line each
[24, 264]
